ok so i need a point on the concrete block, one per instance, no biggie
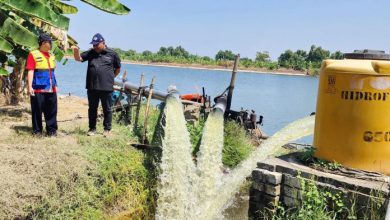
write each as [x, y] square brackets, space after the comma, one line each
[273, 178]
[258, 186]
[290, 202]
[267, 189]
[272, 190]
[292, 192]
[255, 195]
[293, 172]
[269, 200]
[265, 176]
[266, 166]
[257, 176]
[291, 181]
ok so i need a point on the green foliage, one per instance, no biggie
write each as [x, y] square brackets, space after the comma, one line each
[308, 158]
[41, 10]
[22, 20]
[195, 130]
[321, 204]
[315, 204]
[317, 54]
[16, 33]
[338, 55]
[3, 72]
[263, 56]
[63, 8]
[298, 60]
[110, 6]
[237, 144]
[118, 179]
[5, 46]
[293, 60]
[225, 55]
[173, 52]
[147, 53]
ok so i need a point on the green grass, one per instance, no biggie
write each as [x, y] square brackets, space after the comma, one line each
[237, 144]
[119, 183]
[195, 130]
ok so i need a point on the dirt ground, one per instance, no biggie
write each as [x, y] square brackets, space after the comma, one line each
[29, 166]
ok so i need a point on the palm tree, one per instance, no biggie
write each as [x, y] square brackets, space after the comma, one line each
[21, 21]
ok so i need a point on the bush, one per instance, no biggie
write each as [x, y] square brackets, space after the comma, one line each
[237, 144]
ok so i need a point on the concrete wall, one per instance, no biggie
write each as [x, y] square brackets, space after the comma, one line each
[277, 181]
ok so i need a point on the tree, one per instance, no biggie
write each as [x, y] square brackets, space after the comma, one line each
[295, 60]
[147, 53]
[246, 62]
[163, 51]
[285, 59]
[338, 55]
[317, 54]
[263, 56]
[170, 51]
[225, 55]
[21, 21]
[180, 52]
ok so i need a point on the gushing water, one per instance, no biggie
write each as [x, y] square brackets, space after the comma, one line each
[202, 192]
[210, 156]
[231, 183]
[178, 181]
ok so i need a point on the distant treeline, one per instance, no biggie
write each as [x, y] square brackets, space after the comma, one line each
[300, 60]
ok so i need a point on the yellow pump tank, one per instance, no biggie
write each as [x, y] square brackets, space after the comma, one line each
[352, 124]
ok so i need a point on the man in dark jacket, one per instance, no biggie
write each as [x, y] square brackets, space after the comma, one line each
[104, 65]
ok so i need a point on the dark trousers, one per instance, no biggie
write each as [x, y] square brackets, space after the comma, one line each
[45, 103]
[93, 102]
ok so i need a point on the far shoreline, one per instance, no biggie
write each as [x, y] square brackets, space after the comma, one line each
[287, 72]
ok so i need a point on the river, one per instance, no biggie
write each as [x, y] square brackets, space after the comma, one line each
[281, 99]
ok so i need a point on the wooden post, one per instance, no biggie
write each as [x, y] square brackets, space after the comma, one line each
[232, 81]
[144, 139]
[140, 91]
[204, 103]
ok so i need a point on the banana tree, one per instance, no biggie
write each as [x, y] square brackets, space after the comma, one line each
[21, 21]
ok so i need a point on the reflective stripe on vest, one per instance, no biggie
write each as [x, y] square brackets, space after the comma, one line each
[44, 77]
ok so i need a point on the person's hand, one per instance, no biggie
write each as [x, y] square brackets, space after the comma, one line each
[31, 91]
[75, 48]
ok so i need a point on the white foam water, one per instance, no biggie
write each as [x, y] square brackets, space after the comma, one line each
[187, 191]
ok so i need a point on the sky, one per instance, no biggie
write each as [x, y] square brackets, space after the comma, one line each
[204, 27]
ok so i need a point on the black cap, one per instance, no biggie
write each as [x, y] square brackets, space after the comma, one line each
[44, 37]
[97, 38]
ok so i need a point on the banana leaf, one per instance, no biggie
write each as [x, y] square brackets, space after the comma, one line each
[5, 46]
[3, 72]
[65, 8]
[38, 9]
[110, 6]
[58, 53]
[16, 33]
[71, 40]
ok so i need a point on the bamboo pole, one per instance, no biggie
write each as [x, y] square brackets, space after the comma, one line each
[140, 91]
[232, 82]
[144, 139]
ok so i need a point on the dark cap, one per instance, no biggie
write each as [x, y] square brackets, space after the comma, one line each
[97, 38]
[44, 37]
